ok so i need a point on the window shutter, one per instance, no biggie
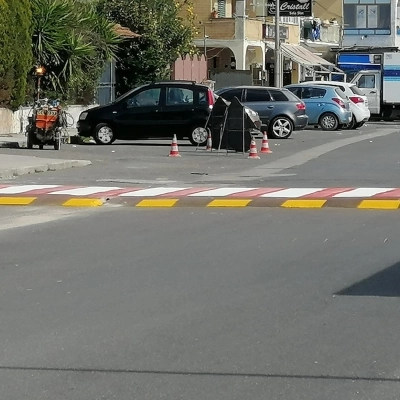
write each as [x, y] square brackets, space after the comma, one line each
[221, 8]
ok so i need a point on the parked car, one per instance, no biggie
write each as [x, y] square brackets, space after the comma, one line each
[280, 112]
[156, 110]
[358, 101]
[326, 106]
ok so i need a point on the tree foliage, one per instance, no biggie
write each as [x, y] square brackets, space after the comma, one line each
[73, 41]
[15, 51]
[167, 32]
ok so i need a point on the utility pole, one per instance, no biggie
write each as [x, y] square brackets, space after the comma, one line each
[205, 42]
[278, 66]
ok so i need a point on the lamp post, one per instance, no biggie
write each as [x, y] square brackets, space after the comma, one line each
[39, 73]
[278, 67]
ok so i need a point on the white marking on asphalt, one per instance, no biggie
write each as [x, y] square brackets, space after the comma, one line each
[292, 193]
[86, 190]
[221, 192]
[151, 192]
[363, 192]
[25, 188]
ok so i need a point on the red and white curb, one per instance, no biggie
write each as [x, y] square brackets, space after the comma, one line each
[94, 196]
[200, 192]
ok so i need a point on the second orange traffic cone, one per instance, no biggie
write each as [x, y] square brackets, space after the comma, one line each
[264, 144]
[174, 152]
[253, 150]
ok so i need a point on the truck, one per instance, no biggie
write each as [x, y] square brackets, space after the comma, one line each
[382, 87]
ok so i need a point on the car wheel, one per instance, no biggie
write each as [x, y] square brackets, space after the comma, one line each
[359, 124]
[103, 134]
[198, 135]
[280, 128]
[329, 122]
[352, 124]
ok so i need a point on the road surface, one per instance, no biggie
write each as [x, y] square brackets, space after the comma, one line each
[120, 303]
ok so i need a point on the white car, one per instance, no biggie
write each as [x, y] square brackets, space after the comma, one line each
[358, 101]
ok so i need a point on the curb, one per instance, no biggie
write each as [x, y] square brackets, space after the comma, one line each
[81, 202]
[50, 166]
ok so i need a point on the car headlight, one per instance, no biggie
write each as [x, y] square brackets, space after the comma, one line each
[83, 116]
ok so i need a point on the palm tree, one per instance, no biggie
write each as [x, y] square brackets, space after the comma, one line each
[73, 42]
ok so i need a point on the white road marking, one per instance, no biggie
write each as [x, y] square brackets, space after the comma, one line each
[25, 188]
[292, 193]
[221, 192]
[363, 192]
[152, 192]
[85, 191]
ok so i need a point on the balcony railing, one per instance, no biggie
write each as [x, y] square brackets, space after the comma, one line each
[328, 34]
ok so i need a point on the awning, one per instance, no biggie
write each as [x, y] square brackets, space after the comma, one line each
[301, 55]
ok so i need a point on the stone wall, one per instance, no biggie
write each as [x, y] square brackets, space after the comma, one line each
[15, 122]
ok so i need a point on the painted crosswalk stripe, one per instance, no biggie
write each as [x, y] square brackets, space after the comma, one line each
[25, 188]
[292, 193]
[152, 192]
[362, 192]
[222, 192]
[85, 191]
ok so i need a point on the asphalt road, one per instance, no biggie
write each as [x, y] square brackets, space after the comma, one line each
[365, 157]
[118, 303]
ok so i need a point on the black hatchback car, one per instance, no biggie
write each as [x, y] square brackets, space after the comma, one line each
[280, 111]
[156, 110]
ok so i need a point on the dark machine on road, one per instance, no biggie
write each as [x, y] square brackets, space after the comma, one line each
[45, 124]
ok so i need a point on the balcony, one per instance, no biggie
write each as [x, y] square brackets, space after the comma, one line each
[329, 33]
[226, 29]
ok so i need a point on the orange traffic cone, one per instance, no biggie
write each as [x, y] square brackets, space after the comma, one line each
[253, 150]
[264, 144]
[209, 142]
[174, 152]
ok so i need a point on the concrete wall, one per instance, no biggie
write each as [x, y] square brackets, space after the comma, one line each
[15, 122]
[191, 69]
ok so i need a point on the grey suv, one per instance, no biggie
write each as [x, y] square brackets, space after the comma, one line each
[280, 111]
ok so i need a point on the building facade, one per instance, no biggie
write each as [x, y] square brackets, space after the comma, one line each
[238, 39]
[371, 23]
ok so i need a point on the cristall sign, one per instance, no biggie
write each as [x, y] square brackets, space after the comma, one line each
[290, 8]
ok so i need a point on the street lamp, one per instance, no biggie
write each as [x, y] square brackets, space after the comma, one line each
[40, 71]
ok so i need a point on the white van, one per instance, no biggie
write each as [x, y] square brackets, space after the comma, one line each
[358, 101]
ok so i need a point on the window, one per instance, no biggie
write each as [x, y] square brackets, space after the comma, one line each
[147, 98]
[277, 95]
[221, 8]
[255, 95]
[295, 91]
[203, 97]
[341, 94]
[230, 94]
[179, 96]
[367, 15]
[308, 93]
[317, 93]
[367, 82]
